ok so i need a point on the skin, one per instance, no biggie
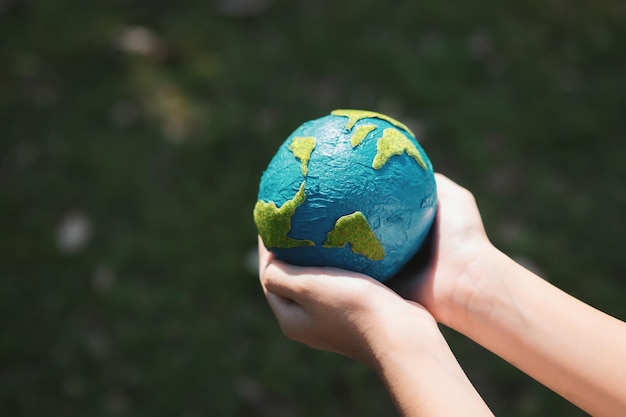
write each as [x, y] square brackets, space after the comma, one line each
[472, 287]
[327, 309]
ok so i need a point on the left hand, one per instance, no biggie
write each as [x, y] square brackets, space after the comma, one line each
[345, 312]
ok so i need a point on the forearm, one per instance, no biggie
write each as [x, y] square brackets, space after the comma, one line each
[570, 347]
[429, 384]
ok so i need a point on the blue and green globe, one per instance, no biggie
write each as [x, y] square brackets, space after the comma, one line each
[352, 190]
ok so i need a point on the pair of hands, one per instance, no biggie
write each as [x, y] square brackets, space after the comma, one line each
[354, 315]
[466, 284]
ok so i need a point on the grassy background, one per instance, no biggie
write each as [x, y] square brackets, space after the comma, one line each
[132, 137]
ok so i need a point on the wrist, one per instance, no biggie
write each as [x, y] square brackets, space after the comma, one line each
[423, 375]
[476, 290]
[412, 337]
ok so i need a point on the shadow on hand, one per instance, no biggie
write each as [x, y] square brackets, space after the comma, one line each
[407, 281]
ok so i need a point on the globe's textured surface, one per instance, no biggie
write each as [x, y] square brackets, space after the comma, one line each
[353, 190]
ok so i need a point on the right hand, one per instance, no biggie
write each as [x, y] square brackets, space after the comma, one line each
[460, 249]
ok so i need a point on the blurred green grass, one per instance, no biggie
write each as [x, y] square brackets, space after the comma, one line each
[132, 137]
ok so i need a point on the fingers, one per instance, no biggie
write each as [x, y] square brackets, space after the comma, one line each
[278, 278]
[456, 203]
[292, 318]
[447, 188]
[440, 177]
[284, 281]
[300, 283]
[264, 255]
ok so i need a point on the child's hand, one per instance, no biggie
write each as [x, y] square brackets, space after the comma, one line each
[460, 249]
[342, 311]
[352, 314]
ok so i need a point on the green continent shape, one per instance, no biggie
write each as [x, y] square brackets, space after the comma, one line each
[356, 115]
[301, 147]
[274, 223]
[354, 229]
[393, 142]
[360, 133]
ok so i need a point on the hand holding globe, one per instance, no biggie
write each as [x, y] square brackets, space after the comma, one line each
[354, 190]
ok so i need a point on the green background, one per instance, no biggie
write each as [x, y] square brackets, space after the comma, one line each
[141, 129]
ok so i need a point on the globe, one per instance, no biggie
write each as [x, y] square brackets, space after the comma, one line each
[352, 190]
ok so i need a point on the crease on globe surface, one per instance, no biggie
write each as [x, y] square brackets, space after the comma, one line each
[353, 190]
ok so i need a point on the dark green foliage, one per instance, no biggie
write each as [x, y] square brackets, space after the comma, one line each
[147, 124]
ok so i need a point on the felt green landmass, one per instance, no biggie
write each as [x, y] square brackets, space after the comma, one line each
[302, 147]
[354, 229]
[393, 142]
[355, 115]
[360, 133]
[274, 223]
